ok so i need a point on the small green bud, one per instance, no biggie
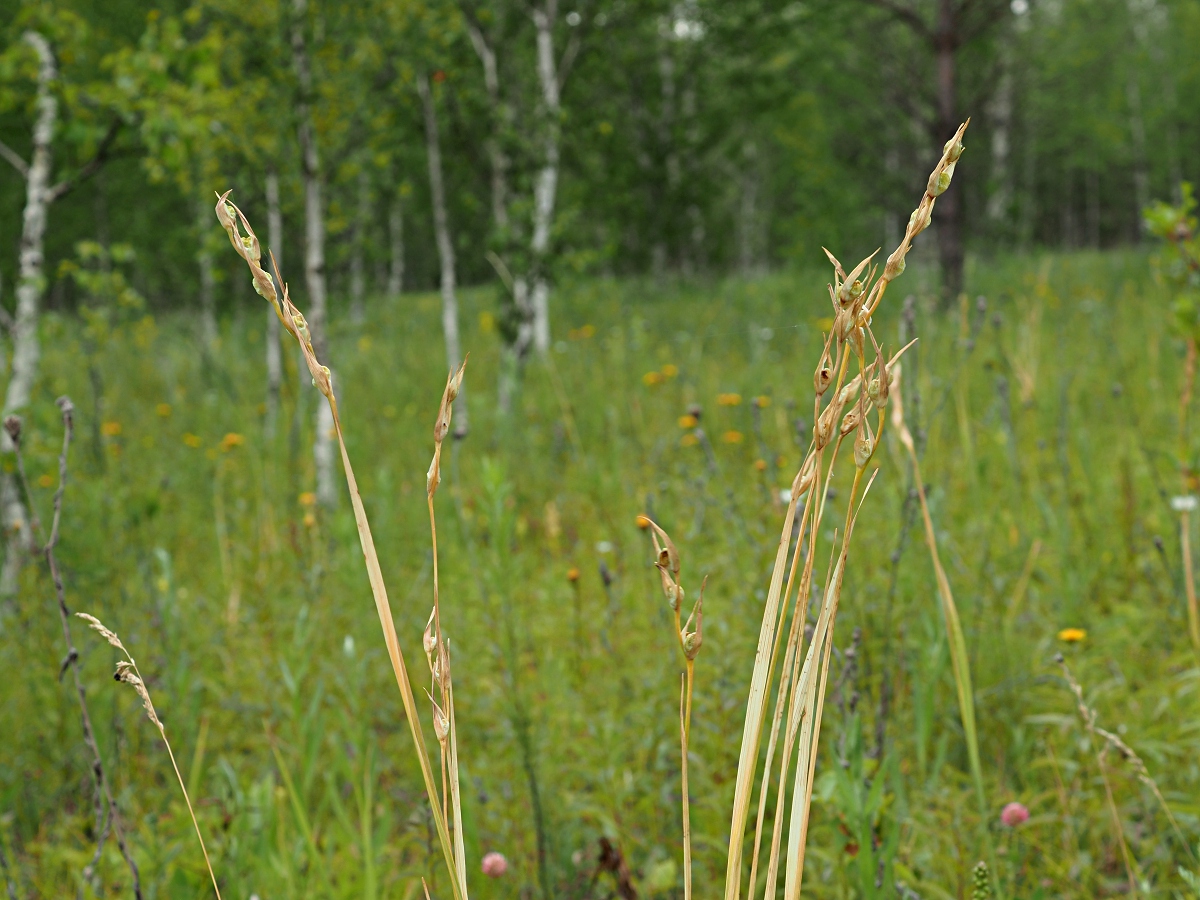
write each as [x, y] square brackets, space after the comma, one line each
[952, 150]
[981, 882]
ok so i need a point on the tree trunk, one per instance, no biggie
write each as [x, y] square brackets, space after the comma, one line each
[496, 157]
[395, 283]
[31, 284]
[274, 357]
[314, 250]
[358, 283]
[947, 214]
[441, 227]
[208, 281]
[546, 186]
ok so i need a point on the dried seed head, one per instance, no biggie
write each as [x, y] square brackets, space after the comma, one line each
[851, 420]
[953, 149]
[864, 445]
[441, 724]
[97, 626]
[823, 377]
[12, 424]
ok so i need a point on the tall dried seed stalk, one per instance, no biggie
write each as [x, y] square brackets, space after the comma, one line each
[842, 408]
[127, 672]
[246, 243]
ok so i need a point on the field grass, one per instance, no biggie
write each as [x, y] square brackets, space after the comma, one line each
[1048, 422]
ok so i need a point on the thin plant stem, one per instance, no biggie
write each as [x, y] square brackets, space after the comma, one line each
[127, 672]
[107, 813]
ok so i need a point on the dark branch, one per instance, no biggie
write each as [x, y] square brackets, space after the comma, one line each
[14, 159]
[106, 804]
[92, 166]
[907, 15]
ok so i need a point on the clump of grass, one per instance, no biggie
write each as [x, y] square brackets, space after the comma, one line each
[446, 806]
[127, 672]
[842, 407]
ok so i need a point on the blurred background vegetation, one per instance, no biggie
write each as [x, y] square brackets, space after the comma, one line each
[702, 153]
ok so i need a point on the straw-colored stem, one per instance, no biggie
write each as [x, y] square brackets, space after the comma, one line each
[392, 642]
[685, 723]
[783, 693]
[191, 812]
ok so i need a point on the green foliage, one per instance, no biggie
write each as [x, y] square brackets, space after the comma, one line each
[1177, 265]
[194, 537]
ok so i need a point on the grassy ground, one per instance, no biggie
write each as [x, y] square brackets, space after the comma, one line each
[1050, 421]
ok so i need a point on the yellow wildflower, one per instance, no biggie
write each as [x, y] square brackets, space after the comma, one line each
[163, 410]
[230, 441]
[689, 440]
[670, 370]
[762, 401]
[643, 522]
[308, 498]
[573, 574]
[729, 399]
[191, 440]
[652, 378]
[688, 421]
[1072, 635]
[761, 465]
[110, 429]
[733, 437]
[46, 481]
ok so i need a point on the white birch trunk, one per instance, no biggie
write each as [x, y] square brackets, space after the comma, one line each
[496, 157]
[358, 275]
[441, 228]
[274, 356]
[31, 284]
[546, 186]
[208, 281]
[395, 283]
[314, 250]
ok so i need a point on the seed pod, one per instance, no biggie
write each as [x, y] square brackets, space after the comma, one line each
[851, 420]
[864, 445]
[953, 149]
[823, 376]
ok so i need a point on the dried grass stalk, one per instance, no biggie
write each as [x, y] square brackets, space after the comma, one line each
[246, 243]
[842, 408]
[127, 672]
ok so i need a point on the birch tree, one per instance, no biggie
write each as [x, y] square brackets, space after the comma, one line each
[445, 246]
[314, 243]
[40, 194]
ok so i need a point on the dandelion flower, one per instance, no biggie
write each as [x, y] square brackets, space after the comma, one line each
[670, 370]
[308, 498]
[573, 574]
[230, 441]
[643, 522]
[309, 520]
[1014, 814]
[729, 399]
[494, 864]
[163, 410]
[689, 440]
[110, 429]
[652, 378]
[761, 465]
[192, 440]
[688, 421]
[762, 401]
[1072, 635]
[733, 437]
